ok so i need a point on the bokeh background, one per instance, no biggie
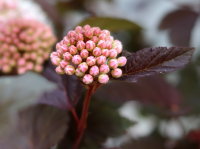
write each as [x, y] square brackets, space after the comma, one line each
[158, 112]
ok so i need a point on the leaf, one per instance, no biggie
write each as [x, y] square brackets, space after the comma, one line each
[180, 24]
[37, 127]
[151, 61]
[112, 24]
[152, 90]
[17, 93]
[69, 90]
[57, 97]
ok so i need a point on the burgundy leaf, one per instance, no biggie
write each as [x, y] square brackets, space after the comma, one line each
[150, 61]
[180, 24]
[58, 97]
[152, 90]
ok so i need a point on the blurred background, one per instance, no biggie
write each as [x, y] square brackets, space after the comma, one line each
[158, 112]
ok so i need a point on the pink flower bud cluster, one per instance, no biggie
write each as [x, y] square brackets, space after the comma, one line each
[89, 53]
[7, 4]
[24, 45]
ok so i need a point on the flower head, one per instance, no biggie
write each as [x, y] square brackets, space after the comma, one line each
[24, 45]
[90, 53]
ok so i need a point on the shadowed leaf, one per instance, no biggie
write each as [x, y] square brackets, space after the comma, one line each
[37, 127]
[153, 90]
[151, 61]
[180, 24]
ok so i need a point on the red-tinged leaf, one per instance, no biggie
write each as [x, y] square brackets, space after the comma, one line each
[151, 61]
[179, 23]
[153, 90]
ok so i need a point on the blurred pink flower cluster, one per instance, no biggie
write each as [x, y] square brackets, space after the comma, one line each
[89, 53]
[7, 4]
[24, 45]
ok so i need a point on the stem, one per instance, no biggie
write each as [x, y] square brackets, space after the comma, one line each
[73, 111]
[83, 120]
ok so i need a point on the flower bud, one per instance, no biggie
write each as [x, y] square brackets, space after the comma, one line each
[122, 61]
[67, 56]
[55, 61]
[117, 45]
[95, 39]
[87, 79]
[103, 78]
[89, 33]
[113, 63]
[38, 68]
[69, 70]
[78, 29]
[80, 45]
[101, 44]
[83, 67]
[79, 73]
[86, 27]
[63, 64]
[97, 51]
[59, 70]
[101, 60]
[116, 73]
[72, 50]
[91, 60]
[113, 53]
[105, 52]
[94, 70]
[104, 68]
[97, 31]
[76, 59]
[90, 45]
[84, 53]
[71, 34]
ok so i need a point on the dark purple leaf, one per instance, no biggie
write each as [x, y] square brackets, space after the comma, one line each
[36, 127]
[180, 24]
[152, 90]
[151, 61]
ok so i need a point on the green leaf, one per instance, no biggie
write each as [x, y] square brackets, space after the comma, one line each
[112, 24]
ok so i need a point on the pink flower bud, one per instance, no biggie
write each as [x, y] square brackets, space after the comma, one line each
[106, 32]
[67, 56]
[29, 66]
[53, 54]
[21, 70]
[97, 31]
[113, 63]
[90, 45]
[21, 62]
[95, 39]
[105, 52]
[91, 60]
[101, 60]
[116, 73]
[83, 67]
[79, 29]
[89, 33]
[76, 59]
[38, 68]
[102, 36]
[101, 44]
[84, 53]
[97, 51]
[87, 79]
[72, 41]
[94, 70]
[103, 78]
[113, 53]
[71, 34]
[79, 37]
[122, 61]
[72, 50]
[63, 64]
[69, 70]
[6, 69]
[87, 27]
[66, 41]
[59, 70]
[117, 45]
[79, 73]
[104, 68]
[108, 44]
[80, 45]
